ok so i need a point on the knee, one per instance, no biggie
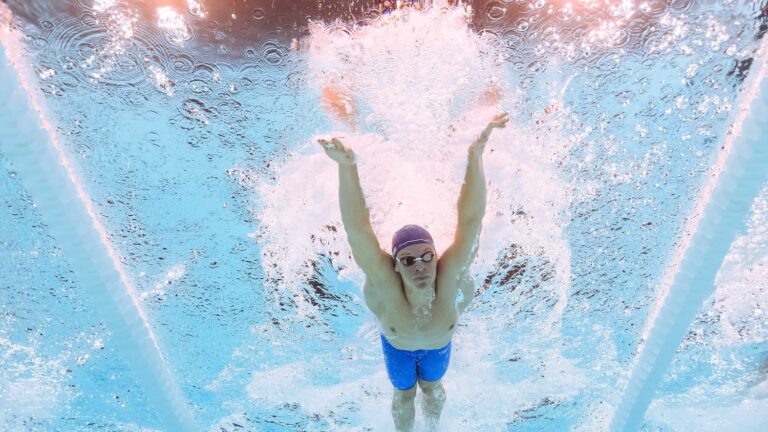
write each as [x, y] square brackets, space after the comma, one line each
[404, 396]
[435, 392]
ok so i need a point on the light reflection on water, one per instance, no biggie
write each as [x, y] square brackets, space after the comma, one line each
[619, 109]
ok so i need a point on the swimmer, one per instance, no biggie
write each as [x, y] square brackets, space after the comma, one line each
[412, 292]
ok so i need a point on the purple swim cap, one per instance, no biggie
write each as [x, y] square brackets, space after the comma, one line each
[410, 235]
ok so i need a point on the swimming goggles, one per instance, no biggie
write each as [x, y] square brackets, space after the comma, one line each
[409, 260]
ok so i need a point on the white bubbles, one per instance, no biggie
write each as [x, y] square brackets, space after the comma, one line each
[160, 80]
[103, 5]
[425, 86]
[173, 23]
[195, 8]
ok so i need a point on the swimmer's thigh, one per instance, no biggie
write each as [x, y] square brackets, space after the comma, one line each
[401, 366]
[433, 365]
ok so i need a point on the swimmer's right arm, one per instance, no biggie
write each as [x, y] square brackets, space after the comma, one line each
[354, 213]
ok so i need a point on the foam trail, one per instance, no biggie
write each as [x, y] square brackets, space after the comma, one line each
[28, 140]
[720, 214]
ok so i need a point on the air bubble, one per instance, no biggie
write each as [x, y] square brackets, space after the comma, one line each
[496, 12]
[372, 15]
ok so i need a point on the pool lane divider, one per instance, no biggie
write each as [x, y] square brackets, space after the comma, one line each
[719, 215]
[29, 141]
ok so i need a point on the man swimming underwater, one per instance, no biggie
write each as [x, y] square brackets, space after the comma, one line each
[411, 292]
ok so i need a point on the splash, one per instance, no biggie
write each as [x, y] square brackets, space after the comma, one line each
[421, 80]
[173, 23]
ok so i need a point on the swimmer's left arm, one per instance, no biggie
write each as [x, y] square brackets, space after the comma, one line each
[471, 205]
[472, 198]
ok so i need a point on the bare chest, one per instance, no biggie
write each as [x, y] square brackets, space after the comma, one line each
[411, 331]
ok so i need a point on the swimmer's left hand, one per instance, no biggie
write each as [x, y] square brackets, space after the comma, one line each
[499, 121]
[337, 151]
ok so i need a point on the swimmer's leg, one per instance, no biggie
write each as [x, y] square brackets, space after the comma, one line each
[433, 394]
[403, 409]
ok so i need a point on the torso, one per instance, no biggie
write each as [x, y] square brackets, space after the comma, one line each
[407, 332]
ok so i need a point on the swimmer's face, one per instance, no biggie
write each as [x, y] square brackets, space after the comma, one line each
[419, 274]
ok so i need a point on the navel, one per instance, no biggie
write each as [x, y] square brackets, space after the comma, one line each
[451, 326]
[393, 329]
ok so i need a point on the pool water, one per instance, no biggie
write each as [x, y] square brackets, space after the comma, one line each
[191, 127]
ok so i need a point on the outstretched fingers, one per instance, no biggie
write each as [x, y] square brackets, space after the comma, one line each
[336, 150]
[332, 144]
[500, 120]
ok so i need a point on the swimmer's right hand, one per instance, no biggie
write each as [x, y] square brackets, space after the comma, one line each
[336, 150]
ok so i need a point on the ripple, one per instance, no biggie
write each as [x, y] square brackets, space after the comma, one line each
[196, 110]
[98, 52]
[605, 63]
[296, 80]
[565, 14]
[269, 84]
[580, 33]
[89, 20]
[621, 39]
[680, 5]
[372, 15]
[527, 8]
[249, 74]
[258, 14]
[246, 82]
[640, 25]
[179, 36]
[491, 32]
[208, 72]
[152, 137]
[199, 86]
[134, 98]
[495, 11]
[511, 36]
[48, 25]
[273, 54]
[231, 109]
[653, 8]
[66, 80]
[182, 63]
[39, 43]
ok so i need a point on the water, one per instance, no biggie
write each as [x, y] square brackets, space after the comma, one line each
[192, 127]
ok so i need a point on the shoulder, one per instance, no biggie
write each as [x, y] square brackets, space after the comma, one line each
[380, 269]
[382, 288]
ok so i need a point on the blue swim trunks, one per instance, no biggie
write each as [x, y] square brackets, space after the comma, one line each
[403, 367]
